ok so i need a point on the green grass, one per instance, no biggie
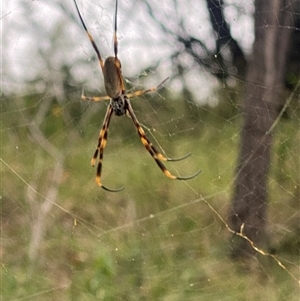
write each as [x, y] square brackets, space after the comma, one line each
[157, 240]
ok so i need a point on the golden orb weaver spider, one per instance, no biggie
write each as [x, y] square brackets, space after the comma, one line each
[120, 105]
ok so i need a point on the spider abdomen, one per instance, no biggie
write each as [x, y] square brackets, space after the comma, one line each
[113, 77]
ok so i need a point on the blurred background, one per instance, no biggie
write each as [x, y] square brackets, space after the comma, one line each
[65, 238]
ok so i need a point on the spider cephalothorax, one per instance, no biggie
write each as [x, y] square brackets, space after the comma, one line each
[119, 105]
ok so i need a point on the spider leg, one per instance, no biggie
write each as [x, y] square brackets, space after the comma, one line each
[157, 156]
[115, 32]
[156, 152]
[90, 37]
[175, 159]
[94, 98]
[142, 92]
[100, 149]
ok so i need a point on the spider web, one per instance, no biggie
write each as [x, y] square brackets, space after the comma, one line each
[62, 237]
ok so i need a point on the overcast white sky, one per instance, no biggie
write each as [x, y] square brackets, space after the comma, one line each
[31, 25]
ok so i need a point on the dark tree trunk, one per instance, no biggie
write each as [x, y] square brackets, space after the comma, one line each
[265, 79]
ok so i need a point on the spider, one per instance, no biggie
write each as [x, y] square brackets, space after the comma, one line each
[120, 105]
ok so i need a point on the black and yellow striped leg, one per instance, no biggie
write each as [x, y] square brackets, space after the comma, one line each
[100, 149]
[157, 156]
[90, 37]
[115, 31]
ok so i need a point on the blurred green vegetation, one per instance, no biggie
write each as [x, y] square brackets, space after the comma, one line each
[156, 240]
